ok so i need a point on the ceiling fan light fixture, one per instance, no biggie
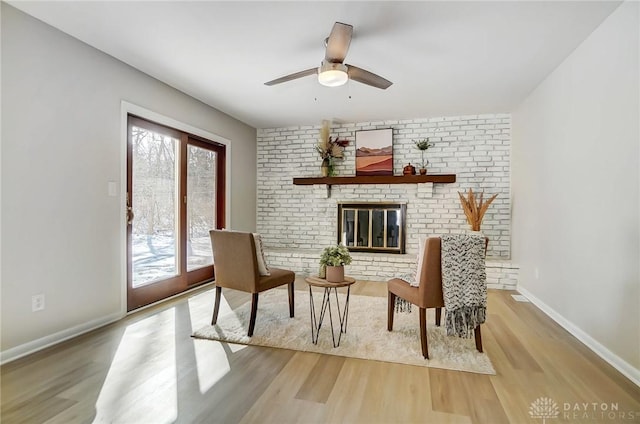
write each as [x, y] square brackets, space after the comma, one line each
[332, 71]
[332, 74]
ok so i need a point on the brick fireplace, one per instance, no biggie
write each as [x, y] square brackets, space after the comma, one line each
[297, 221]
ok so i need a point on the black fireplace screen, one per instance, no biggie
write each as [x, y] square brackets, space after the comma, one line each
[372, 227]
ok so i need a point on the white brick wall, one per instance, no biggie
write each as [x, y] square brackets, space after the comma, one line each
[381, 266]
[297, 221]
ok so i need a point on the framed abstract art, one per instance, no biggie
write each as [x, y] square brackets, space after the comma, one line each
[374, 152]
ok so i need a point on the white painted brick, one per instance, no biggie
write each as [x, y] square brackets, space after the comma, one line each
[297, 218]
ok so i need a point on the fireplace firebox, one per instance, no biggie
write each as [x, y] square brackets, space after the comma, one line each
[372, 227]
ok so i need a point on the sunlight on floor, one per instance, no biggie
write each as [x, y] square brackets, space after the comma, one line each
[211, 357]
[211, 362]
[142, 384]
[148, 359]
[203, 303]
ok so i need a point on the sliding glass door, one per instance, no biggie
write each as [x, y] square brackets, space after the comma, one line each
[175, 195]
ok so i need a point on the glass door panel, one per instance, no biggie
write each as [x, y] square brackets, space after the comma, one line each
[363, 228]
[175, 196]
[348, 226]
[393, 229]
[377, 228]
[201, 205]
[154, 233]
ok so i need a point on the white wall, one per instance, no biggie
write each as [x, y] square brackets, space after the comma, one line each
[576, 189]
[61, 144]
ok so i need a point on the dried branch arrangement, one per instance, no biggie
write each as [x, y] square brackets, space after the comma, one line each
[328, 147]
[475, 211]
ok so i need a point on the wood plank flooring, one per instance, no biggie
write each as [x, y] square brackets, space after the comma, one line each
[147, 369]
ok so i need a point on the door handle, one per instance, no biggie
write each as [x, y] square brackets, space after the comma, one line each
[130, 215]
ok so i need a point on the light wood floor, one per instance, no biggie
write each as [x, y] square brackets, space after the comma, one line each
[147, 369]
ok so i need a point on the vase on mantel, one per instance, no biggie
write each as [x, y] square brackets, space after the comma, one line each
[335, 274]
[327, 167]
[324, 168]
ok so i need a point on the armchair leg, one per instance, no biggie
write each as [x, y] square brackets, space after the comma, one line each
[254, 309]
[216, 305]
[391, 308]
[438, 316]
[291, 300]
[423, 333]
[478, 338]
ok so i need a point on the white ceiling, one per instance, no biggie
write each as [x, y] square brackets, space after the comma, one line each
[444, 58]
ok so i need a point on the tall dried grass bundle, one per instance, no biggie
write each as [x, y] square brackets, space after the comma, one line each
[475, 211]
[324, 142]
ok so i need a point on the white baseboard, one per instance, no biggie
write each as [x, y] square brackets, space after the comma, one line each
[52, 339]
[69, 333]
[614, 360]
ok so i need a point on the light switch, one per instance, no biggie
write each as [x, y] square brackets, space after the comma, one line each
[112, 188]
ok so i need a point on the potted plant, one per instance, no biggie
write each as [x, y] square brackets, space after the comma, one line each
[423, 145]
[333, 260]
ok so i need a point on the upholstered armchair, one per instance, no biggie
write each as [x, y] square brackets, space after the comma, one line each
[236, 267]
[428, 294]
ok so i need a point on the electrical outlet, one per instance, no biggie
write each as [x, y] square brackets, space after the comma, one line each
[37, 302]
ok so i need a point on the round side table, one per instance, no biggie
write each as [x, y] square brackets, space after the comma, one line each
[316, 322]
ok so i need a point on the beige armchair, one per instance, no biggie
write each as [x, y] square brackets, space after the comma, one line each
[236, 267]
[427, 295]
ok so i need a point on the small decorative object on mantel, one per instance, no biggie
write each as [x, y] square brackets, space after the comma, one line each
[329, 150]
[333, 260]
[475, 211]
[423, 168]
[423, 145]
[409, 170]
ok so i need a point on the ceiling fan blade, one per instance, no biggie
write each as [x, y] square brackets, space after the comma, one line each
[366, 77]
[292, 76]
[338, 42]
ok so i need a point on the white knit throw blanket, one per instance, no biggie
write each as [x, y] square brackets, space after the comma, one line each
[464, 282]
[401, 304]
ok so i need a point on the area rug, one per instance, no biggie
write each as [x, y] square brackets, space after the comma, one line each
[366, 337]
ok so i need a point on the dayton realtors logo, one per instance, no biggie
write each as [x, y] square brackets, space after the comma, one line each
[544, 408]
[599, 411]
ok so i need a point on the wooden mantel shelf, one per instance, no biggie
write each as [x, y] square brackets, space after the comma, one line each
[378, 179]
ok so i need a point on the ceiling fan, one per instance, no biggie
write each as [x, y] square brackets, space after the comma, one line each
[333, 71]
